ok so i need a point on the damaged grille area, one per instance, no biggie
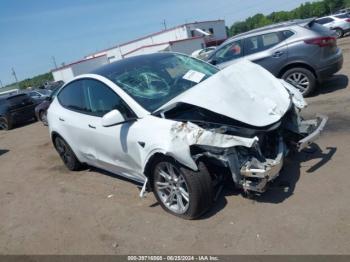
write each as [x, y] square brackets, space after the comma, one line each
[251, 168]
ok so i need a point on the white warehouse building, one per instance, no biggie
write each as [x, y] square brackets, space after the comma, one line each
[68, 72]
[184, 38]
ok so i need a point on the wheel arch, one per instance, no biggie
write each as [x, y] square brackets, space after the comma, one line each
[39, 114]
[295, 65]
[337, 27]
[54, 134]
[158, 154]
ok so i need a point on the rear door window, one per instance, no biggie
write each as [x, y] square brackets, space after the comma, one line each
[73, 97]
[262, 42]
[287, 33]
[270, 40]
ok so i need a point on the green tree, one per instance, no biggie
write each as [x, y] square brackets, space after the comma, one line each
[35, 81]
[306, 10]
[334, 5]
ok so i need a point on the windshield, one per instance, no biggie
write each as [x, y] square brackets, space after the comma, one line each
[154, 80]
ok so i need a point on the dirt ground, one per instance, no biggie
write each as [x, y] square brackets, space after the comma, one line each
[45, 209]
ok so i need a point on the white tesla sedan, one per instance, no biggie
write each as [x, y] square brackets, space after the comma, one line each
[180, 126]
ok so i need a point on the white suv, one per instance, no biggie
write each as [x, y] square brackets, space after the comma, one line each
[340, 23]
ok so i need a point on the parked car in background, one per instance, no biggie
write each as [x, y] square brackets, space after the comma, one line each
[39, 95]
[181, 127]
[41, 109]
[339, 23]
[53, 85]
[203, 53]
[301, 52]
[15, 109]
[343, 11]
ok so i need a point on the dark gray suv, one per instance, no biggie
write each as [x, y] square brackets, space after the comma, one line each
[301, 52]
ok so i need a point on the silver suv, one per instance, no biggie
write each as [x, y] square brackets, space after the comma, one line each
[339, 23]
[301, 52]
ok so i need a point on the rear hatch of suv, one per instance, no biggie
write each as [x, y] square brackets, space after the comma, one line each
[326, 39]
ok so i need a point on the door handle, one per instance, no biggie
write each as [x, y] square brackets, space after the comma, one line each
[61, 119]
[91, 126]
[278, 54]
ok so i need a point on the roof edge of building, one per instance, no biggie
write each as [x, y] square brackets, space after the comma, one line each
[156, 33]
[76, 62]
[163, 43]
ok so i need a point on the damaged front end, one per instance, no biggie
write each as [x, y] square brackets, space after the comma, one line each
[253, 156]
[239, 129]
[251, 168]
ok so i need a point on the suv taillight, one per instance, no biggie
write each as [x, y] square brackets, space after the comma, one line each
[322, 41]
[348, 20]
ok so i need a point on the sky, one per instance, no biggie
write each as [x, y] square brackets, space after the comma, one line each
[31, 32]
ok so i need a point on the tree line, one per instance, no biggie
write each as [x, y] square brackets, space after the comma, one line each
[34, 82]
[307, 10]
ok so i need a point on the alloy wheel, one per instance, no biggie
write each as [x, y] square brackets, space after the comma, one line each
[171, 188]
[300, 81]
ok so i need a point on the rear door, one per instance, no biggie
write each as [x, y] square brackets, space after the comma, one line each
[75, 120]
[268, 50]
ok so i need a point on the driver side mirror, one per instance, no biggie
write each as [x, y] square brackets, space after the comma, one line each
[112, 118]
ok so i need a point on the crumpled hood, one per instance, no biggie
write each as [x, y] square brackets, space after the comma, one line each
[243, 91]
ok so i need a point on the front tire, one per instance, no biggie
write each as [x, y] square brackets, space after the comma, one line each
[67, 155]
[303, 79]
[181, 191]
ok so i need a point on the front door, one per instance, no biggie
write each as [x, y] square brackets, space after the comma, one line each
[111, 143]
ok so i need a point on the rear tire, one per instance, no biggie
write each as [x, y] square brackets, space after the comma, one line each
[303, 79]
[43, 117]
[180, 191]
[67, 155]
[339, 32]
[4, 124]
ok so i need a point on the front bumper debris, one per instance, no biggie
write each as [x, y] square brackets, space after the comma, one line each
[319, 125]
[256, 179]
